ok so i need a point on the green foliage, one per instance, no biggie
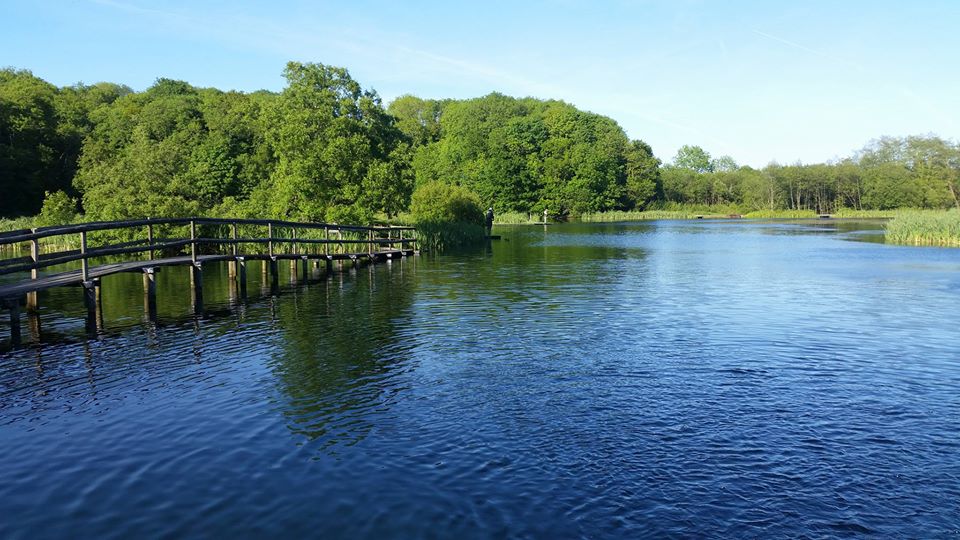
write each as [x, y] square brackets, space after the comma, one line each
[643, 182]
[30, 146]
[326, 149]
[16, 224]
[446, 215]
[439, 202]
[693, 158]
[925, 228]
[58, 208]
[172, 150]
[528, 155]
[331, 139]
[418, 119]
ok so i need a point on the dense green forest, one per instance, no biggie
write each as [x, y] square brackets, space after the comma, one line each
[324, 148]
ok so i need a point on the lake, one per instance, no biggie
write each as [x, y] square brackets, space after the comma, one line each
[666, 379]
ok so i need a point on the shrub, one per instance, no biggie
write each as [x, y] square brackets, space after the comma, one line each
[446, 216]
[438, 202]
[58, 209]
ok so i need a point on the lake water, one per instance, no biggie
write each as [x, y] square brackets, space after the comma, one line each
[667, 379]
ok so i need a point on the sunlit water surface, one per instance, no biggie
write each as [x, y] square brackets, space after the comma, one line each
[686, 379]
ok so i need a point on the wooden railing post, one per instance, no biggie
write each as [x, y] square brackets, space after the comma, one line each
[150, 239]
[34, 254]
[232, 264]
[293, 251]
[270, 239]
[84, 263]
[193, 243]
[326, 237]
[33, 304]
[370, 242]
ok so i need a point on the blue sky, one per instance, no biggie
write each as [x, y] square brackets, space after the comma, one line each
[758, 80]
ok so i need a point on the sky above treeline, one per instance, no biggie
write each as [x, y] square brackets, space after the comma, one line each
[760, 81]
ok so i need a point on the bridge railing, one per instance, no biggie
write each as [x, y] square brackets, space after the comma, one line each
[206, 235]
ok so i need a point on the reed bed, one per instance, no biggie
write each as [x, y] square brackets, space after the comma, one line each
[438, 237]
[517, 218]
[924, 228]
[850, 213]
[617, 215]
[781, 214]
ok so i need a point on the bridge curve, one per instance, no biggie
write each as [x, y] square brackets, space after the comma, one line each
[157, 243]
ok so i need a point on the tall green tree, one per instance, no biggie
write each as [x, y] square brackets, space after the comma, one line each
[693, 158]
[327, 133]
[30, 147]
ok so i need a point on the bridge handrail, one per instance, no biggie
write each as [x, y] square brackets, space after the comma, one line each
[26, 235]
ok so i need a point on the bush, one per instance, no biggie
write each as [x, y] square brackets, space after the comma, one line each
[58, 209]
[446, 216]
[438, 202]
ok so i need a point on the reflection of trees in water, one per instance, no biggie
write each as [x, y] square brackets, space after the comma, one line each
[345, 342]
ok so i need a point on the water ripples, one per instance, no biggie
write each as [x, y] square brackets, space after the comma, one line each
[585, 381]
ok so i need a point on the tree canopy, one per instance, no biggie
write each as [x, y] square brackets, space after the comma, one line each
[325, 148]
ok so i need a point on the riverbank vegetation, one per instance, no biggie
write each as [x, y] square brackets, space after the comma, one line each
[924, 228]
[446, 216]
[326, 149]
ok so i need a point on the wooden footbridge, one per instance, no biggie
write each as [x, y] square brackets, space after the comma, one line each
[144, 246]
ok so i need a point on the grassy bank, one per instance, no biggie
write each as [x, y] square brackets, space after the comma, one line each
[924, 228]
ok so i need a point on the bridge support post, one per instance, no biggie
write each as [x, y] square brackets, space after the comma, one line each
[13, 305]
[150, 293]
[234, 248]
[242, 276]
[305, 264]
[196, 287]
[274, 275]
[328, 267]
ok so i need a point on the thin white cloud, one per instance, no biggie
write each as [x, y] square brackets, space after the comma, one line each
[821, 54]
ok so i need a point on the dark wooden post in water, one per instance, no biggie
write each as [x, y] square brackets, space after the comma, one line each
[293, 251]
[232, 265]
[150, 293]
[196, 271]
[242, 276]
[274, 270]
[89, 287]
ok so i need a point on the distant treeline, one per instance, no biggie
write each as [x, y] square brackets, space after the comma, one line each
[326, 149]
[890, 172]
